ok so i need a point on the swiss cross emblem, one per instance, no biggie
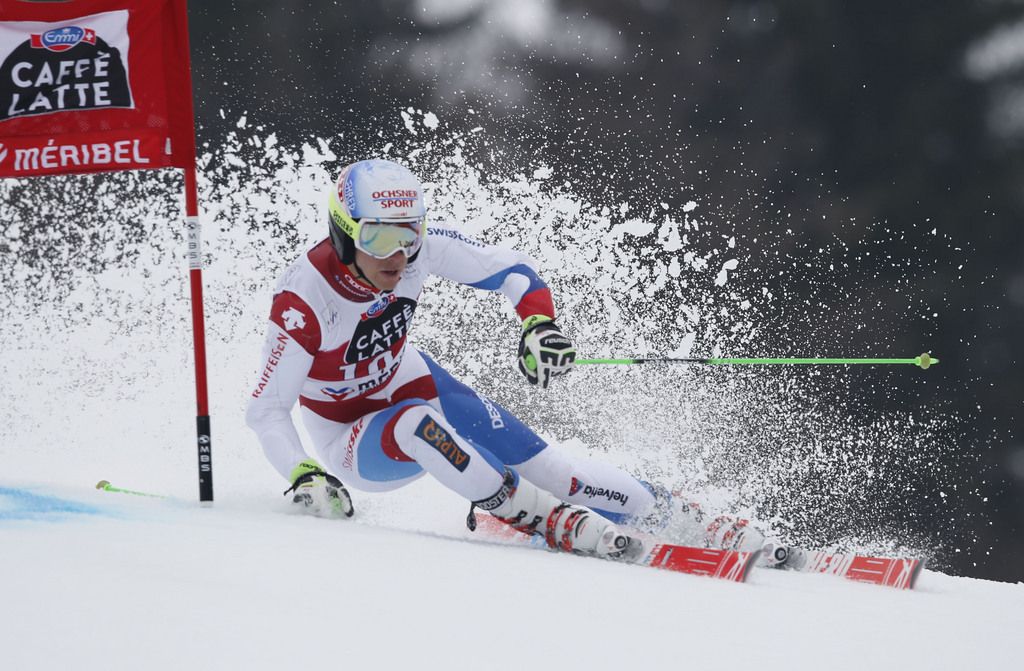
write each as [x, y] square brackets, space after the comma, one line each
[293, 319]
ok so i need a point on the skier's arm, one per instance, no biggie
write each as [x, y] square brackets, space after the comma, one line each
[544, 351]
[293, 337]
[462, 259]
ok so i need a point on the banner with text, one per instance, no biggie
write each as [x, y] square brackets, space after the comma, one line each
[94, 85]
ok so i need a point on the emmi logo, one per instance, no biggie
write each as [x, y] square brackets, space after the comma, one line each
[440, 440]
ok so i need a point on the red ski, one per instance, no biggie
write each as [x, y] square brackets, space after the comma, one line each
[722, 564]
[900, 573]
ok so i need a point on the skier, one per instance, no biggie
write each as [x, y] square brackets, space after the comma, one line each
[381, 413]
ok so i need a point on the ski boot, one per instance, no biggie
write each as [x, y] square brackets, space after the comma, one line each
[729, 533]
[564, 526]
[693, 526]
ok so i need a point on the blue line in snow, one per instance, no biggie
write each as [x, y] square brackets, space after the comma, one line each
[21, 504]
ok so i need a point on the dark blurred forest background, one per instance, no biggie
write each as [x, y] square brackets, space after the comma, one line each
[908, 114]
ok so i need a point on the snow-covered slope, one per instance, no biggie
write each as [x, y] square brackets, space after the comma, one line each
[96, 580]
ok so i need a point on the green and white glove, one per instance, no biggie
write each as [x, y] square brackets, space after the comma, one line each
[319, 493]
[544, 351]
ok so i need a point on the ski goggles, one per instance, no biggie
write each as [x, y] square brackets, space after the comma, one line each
[380, 238]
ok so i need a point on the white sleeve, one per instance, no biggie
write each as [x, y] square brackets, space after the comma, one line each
[458, 257]
[286, 365]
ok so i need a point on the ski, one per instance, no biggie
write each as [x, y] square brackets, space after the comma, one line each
[899, 572]
[724, 564]
[721, 564]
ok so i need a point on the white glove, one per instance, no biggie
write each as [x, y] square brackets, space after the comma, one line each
[544, 351]
[319, 493]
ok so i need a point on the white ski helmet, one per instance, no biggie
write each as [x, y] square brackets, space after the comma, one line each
[377, 207]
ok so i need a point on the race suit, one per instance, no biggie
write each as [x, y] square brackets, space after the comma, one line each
[381, 413]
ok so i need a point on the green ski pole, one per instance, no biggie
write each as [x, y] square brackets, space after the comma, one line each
[107, 487]
[923, 361]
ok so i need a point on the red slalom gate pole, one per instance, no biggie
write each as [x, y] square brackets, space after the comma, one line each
[204, 445]
[195, 264]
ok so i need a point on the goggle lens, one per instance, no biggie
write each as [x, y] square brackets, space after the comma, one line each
[382, 239]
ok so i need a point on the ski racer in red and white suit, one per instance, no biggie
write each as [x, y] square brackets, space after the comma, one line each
[381, 413]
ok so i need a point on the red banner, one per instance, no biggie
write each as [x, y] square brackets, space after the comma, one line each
[94, 85]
